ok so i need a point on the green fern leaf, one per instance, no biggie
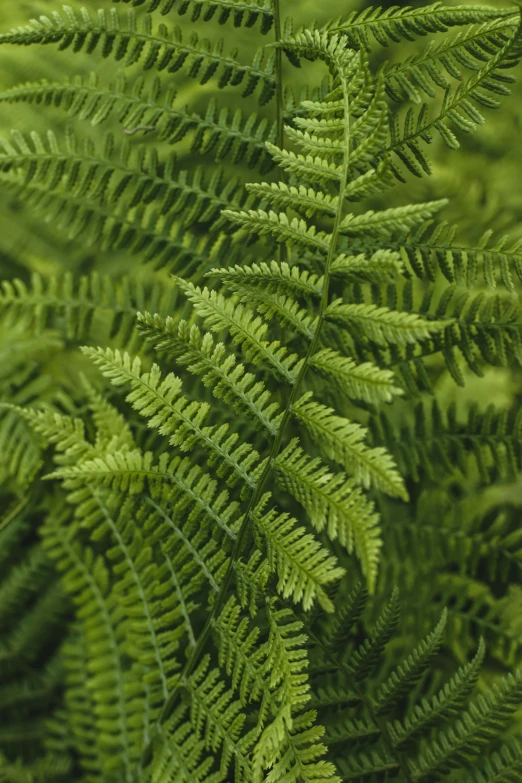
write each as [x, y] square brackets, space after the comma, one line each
[341, 441]
[243, 12]
[360, 381]
[160, 401]
[430, 70]
[383, 325]
[395, 24]
[245, 328]
[293, 231]
[500, 767]
[225, 134]
[447, 703]
[382, 266]
[217, 369]
[306, 200]
[217, 716]
[390, 220]
[402, 678]
[303, 566]
[334, 502]
[135, 39]
[471, 731]
[273, 277]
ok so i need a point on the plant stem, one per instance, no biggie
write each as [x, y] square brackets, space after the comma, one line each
[13, 512]
[278, 75]
[280, 138]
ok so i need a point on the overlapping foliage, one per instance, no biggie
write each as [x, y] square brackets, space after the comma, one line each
[224, 436]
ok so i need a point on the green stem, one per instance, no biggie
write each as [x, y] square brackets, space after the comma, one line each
[280, 137]
[278, 76]
[13, 512]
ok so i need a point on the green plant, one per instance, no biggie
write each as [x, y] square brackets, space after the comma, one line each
[201, 587]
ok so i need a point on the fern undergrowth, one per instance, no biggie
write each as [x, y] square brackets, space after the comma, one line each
[246, 536]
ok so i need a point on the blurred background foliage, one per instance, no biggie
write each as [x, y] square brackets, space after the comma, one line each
[483, 182]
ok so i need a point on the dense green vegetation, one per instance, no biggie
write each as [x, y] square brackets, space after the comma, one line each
[260, 424]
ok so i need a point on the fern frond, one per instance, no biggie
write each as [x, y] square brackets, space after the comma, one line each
[65, 433]
[273, 277]
[189, 488]
[370, 183]
[284, 747]
[217, 369]
[178, 755]
[363, 381]
[478, 328]
[172, 518]
[85, 577]
[277, 306]
[28, 377]
[381, 266]
[302, 754]
[225, 134]
[156, 626]
[293, 231]
[447, 703]
[341, 441]
[458, 107]
[437, 441]
[303, 566]
[486, 536]
[144, 230]
[390, 220]
[396, 24]
[332, 501]
[79, 706]
[430, 249]
[383, 325]
[135, 39]
[287, 658]
[243, 12]
[313, 168]
[364, 659]
[470, 732]
[73, 306]
[245, 328]
[503, 766]
[342, 625]
[47, 769]
[240, 653]
[251, 581]
[417, 741]
[166, 410]
[430, 70]
[21, 455]
[122, 182]
[112, 429]
[34, 692]
[306, 200]
[27, 580]
[406, 674]
[216, 715]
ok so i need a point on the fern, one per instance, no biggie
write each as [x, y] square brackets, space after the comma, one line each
[491, 438]
[130, 40]
[245, 12]
[225, 133]
[212, 480]
[398, 23]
